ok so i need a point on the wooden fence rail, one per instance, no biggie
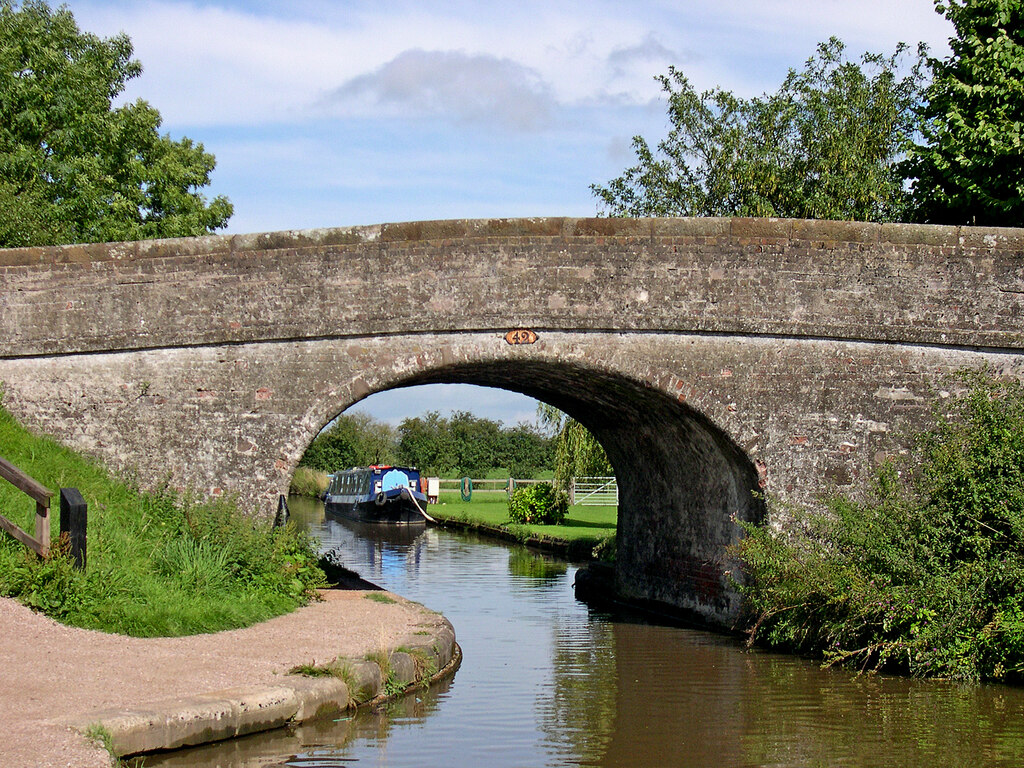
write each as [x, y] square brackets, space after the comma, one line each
[40, 543]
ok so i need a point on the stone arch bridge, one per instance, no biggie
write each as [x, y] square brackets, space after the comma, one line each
[710, 356]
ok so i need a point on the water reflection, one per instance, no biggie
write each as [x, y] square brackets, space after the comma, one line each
[320, 744]
[547, 681]
[381, 551]
[534, 568]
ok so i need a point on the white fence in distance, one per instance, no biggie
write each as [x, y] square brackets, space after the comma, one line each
[584, 491]
[594, 492]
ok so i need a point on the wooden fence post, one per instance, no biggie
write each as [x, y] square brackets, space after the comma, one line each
[40, 542]
[42, 528]
[73, 515]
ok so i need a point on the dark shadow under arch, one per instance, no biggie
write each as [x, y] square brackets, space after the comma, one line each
[683, 482]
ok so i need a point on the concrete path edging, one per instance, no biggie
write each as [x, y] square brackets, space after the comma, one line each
[225, 714]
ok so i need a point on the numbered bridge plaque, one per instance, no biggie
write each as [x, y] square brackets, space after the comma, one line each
[520, 336]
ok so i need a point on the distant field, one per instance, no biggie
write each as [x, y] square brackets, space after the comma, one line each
[492, 509]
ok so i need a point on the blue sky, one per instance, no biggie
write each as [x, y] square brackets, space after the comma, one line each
[345, 113]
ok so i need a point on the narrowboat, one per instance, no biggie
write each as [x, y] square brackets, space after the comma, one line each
[378, 494]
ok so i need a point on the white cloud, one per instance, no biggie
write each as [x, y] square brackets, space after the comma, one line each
[233, 63]
[468, 88]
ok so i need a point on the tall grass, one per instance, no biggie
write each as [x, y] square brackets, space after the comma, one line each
[159, 563]
[308, 482]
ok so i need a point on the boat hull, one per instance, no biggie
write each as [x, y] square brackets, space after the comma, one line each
[399, 511]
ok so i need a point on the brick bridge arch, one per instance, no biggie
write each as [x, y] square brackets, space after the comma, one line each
[696, 349]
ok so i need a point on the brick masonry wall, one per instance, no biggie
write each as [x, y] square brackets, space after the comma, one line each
[708, 355]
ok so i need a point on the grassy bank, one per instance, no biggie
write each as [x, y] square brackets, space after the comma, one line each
[583, 526]
[158, 563]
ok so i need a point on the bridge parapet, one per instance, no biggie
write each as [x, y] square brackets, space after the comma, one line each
[956, 286]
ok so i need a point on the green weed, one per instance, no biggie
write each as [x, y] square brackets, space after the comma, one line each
[314, 670]
[308, 482]
[426, 664]
[925, 574]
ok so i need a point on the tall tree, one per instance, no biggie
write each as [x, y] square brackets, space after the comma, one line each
[577, 451]
[464, 444]
[827, 144]
[74, 168]
[353, 440]
[969, 168]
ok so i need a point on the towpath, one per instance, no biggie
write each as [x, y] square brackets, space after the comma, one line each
[51, 674]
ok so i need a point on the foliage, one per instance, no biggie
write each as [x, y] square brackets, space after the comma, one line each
[970, 167]
[606, 550]
[314, 670]
[577, 451]
[74, 168]
[353, 440]
[100, 734]
[926, 574]
[538, 504]
[159, 563]
[825, 145]
[454, 446]
[308, 482]
[467, 445]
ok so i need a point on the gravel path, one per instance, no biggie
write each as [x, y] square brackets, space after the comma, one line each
[50, 673]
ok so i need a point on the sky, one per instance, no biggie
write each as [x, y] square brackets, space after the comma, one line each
[336, 113]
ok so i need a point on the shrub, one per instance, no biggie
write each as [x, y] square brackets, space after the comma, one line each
[538, 504]
[926, 574]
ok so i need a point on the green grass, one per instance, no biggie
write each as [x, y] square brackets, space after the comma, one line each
[492, 509]
[308, 482]
[159, 564]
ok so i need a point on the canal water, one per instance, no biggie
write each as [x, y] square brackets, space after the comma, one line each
[546, 681]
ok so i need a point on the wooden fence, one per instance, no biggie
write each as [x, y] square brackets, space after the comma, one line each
[73, 516]
[40, 543]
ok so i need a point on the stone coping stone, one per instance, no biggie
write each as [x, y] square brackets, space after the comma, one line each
[238, 711]
[738, 228]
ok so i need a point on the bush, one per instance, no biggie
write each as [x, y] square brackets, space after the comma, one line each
[925, 575]
[538, 504]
